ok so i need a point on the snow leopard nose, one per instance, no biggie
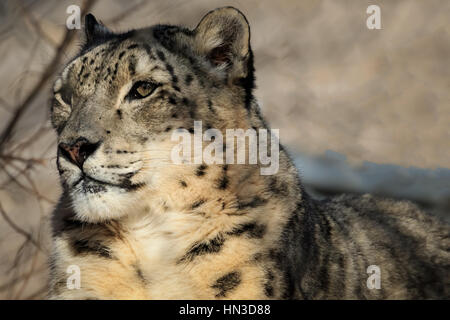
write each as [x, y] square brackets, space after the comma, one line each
[78, 151]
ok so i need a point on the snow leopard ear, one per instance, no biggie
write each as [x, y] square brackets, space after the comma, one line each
[94, 31]
[223, 37]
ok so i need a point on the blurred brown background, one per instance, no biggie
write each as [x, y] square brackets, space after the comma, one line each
[361, 110]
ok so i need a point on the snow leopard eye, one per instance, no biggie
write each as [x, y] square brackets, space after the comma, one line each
[141, 89]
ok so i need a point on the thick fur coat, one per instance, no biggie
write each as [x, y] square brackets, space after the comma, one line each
[138, 226]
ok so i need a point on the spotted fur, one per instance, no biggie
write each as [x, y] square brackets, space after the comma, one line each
[142, 227]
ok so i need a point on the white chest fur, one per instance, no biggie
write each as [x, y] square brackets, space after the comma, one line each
[159, 242]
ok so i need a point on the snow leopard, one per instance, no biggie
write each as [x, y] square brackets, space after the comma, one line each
[132, 224]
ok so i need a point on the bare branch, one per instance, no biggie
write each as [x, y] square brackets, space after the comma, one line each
[17, 228]
[41, 162]
[35, 24]
[23, 173]
[32, 138]
[6, 286]
[28, 275]
[37, 293]
[48, 73]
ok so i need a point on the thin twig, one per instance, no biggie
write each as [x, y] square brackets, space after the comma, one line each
[37, 293]
[28, 275]
[23, 173]
[42, 162]
[32, 138]
[6, 286]
[35, 24]
[48, 73]
[16, 227]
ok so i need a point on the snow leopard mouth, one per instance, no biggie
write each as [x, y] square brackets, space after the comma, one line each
[92, 185]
